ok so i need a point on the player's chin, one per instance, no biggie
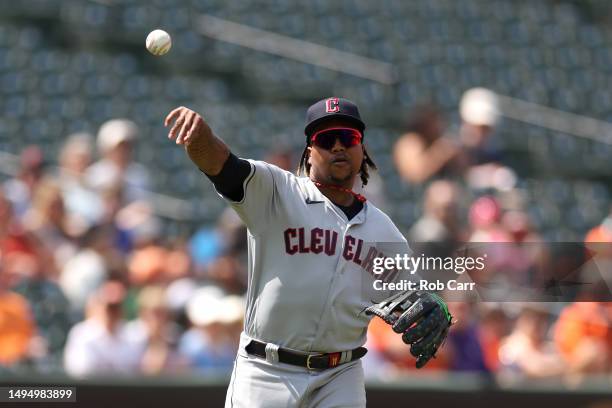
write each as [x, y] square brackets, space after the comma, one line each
[341, 174]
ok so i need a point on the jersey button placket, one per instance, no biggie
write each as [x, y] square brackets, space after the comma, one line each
[343, 262]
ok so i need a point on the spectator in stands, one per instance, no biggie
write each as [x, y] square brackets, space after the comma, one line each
[485, 221]
[423, 152]
[228, 273]
[487, 236]
[148, 265]
[527, 351]
[494, 326]
[122, 236]
[80, 199]
[49, 222]
[519, 226]
[205, 246]
[17, 327]
[479, 111]
[438, 232]
[19, 247]
[522, 257]
[115, 143]
[100, 344]
[439, 223]
[10, 230]
[158, 263]
[211, 344]
[228, 237]
[139, 221]
[464, 350]
[178, 295]
[89, 268]
[6, 214]
[220, 255]
[178, 262]
[154, 333]
[49, 306]
[583, 335]
[19, 190]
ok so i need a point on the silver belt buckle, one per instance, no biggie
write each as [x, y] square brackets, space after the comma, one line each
[308, 360]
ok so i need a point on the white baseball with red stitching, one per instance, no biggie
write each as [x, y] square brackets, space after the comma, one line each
[158, 42]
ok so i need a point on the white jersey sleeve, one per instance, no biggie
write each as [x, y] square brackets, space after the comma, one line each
[263, 189]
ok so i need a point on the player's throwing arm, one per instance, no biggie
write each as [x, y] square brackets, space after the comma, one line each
[206, 150]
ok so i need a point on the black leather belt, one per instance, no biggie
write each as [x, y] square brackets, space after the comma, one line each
[311, 361]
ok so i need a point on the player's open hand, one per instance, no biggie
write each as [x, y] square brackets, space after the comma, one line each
[188, 125]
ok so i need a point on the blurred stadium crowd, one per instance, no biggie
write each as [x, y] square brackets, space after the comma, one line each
[94, 282]
[89, 282]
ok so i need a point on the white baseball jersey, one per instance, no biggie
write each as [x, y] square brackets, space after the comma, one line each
[306, 281]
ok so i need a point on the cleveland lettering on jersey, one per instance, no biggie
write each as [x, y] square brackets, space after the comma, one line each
[324, 241]
[318, 241]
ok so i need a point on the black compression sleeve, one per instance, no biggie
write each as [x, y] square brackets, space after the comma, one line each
[230, 180]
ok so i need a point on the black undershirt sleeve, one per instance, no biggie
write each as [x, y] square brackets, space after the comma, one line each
[230, 180]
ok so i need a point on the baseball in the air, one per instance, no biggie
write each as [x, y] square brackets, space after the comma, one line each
[158, 42]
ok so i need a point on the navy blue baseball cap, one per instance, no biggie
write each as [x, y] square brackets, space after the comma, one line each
[329, 108]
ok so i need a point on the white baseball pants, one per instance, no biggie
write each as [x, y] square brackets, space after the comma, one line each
[257, 382]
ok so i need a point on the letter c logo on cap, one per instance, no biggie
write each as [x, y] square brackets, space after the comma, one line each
[332, 105]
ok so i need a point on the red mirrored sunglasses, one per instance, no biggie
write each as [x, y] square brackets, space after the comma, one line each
[326, 138]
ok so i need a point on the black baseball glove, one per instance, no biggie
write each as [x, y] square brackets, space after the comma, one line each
[421, 317]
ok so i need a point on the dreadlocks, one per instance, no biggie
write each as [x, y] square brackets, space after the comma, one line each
[367, 163]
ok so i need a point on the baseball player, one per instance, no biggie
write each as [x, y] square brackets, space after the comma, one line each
[306, 315]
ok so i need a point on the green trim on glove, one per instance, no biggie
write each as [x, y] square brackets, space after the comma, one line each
[443, 305]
